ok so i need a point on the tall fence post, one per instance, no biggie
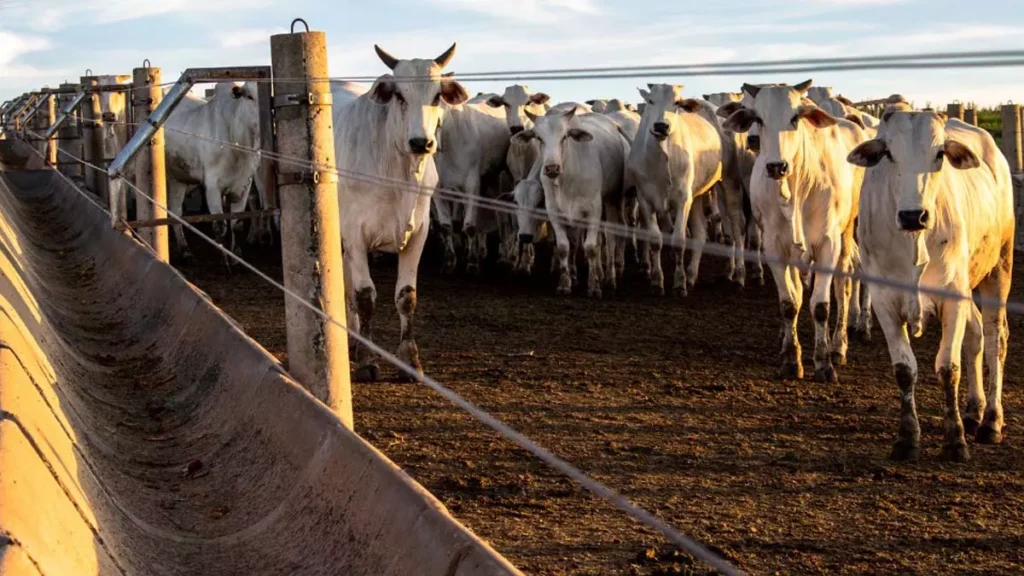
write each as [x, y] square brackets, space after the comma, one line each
[92, 128]
[310, 222]
[39, 125]
[1012, 137]
[971, 115]
[69, 137]
[955, 110]
[51, 119]
[268, 168]
[150, 168]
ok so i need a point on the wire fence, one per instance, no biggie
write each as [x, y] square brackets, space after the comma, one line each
[639, 514]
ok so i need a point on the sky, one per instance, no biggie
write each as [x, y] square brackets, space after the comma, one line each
[45, 42]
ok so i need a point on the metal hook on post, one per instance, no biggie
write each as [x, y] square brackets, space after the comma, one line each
[304, 23]
[146, 64]
[88, 71]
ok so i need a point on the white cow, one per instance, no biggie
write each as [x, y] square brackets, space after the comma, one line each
[474, 144]
[937, 212]
[675, 158]
[840, 107]
[389, 134]
[196, 157]
[599, 105]
[805, 195]
[583, 177]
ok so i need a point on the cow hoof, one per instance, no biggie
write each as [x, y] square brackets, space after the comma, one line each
[905, 451]
[409, 354]
[826, 375]
[986, 434]
[956, 452]
[791, 371]
[473, 269]
[367, 373]
[838, 359]
[595, 293]
[760, 280]
[864, 336]
[971, 426]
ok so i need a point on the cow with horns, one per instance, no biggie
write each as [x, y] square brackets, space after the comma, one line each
[387, 136]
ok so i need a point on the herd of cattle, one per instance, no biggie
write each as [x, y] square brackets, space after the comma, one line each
[787, 174]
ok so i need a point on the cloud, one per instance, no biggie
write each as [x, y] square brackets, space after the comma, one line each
[12, 47]
[60, 14]
[247, 37]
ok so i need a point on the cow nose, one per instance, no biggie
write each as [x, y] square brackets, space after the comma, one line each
[109, 117]
[661, 128]
[913, 220]
[777, 170]
[552, 170]
[754, 142]
[525, 239]
[421, 145]
[515, 130]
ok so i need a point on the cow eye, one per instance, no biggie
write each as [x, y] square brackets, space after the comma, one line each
[940, 154]
[437, 100]
[796, 120]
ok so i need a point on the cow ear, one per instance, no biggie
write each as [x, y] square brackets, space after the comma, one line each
[689, 105]
[644, 94]
[539, 98]
[960, 156]
[706, 96]
[452, 92]
[845, 100]
[729, 109]
[868, 154]
[383, 89]
[856, 120]
[751, 89]
[943, 116]
[495, 101]
[816, 116]
[741, 120]
[525, 135]
[803, 86]
[580, 135]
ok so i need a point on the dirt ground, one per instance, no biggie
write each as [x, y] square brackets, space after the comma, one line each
[674, 403]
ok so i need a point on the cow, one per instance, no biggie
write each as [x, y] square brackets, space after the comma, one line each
[840, 107]
[806, 196]
[196, 157]
[389, 135]
[598, 105]
[583, 178]
[474, 144]
[675, 158]
[937, 212]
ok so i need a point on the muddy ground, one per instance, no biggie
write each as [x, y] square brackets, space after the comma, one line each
[675, 403]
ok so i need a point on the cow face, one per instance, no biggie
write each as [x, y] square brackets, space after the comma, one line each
[720, 99]
[782, 114]
[237, 101]
[916, 145]
[113, 106]
[414, 94]
[819, 93]
[518, 102]
[664, 103]
[554, 132]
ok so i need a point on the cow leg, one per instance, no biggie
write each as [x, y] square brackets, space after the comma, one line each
[615, 243]
[654, 244]
[790, 299]
[864, 319]
[908, 437]
[954, 322]
[974, 339]
[471, 223]
[562, 245]
[699, 231]
[237, 205]
[362, 298]
[592, 250]
[754, 235]
[176, 192]
[997, 336]
[828, 254]
[443, 209]
[632, 221]
[733, 196]
[405, 299]
[843, 285]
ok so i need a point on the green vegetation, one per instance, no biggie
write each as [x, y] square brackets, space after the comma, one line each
[991, 119]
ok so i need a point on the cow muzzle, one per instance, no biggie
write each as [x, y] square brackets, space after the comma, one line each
[913, 220]
[660, 130]
[515, 130]
[525, 239]
[777, 170]
[422, 145]
[552, 171]
[109, 117]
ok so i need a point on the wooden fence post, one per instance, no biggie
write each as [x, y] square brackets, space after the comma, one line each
[1012, 137]
[150, 166]
[51, 119]
[310, 222]
[69, 137]
[971, 116]
[955, 110]
[92, 128]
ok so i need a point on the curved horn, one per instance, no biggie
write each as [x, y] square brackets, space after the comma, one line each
[389, 60]
[803, 86]
[446, 57]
